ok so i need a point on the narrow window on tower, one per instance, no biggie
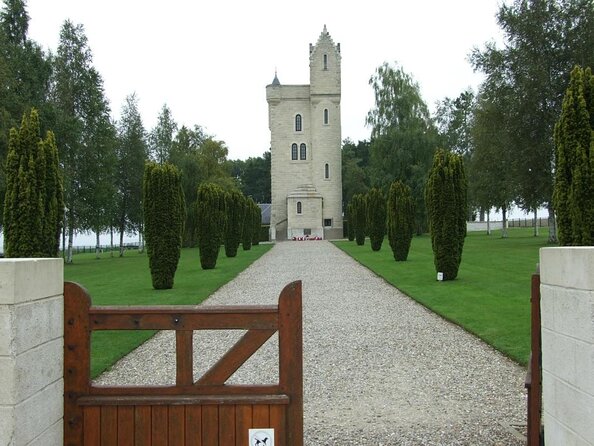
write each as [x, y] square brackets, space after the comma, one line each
[294, 152]
[326, 171]
[302, 152]
[297, 123]
[299, 207]
[326, 116]
[325, 61]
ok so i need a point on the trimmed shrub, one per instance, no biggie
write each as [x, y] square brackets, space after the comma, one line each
[359, 213]
[400, 219]
[248, 231]
[349, 223]
[445, 197]
[164, 216]
[210, 219]
[376, 217]
[33, 203]
[256, 223]
[235, 210]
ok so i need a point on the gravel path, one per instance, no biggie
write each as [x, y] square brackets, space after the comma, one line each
[379, 369]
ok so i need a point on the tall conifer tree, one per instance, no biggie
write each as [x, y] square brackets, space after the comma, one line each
[400, 219]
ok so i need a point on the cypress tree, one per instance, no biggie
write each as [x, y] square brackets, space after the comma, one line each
[256, 224]
[350, 223]
[248, 225]
[164, 216]
[400, 219]
[573, 193]
[445, 197]
[359, 213]
[34, 197]
[210, 217]
[376, 217]
[235, 209]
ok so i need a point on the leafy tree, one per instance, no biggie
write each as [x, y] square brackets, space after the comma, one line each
[164, 212]
[400, 220]
[446, 205]
[253, 176]
[210, 222]
[162, 136]
[33, 201]
[359, 218]
[574, 187]
[235, 204]
[131, 155]
[403, 136]
[375, 206]
[355, 169]
[543, 40]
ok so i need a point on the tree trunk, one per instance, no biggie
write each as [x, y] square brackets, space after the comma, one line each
[488, 222]
[504, 233]
[111, 242]
[535, 222]
[482, 215]
[140, 240]
[121, 242]
[70, 241]
[552, 226]
[64, 238]
[97, 245]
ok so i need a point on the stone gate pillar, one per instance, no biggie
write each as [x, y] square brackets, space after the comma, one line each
[567, 325]
[31, 352]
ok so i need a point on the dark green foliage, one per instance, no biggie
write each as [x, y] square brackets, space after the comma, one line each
[573, 191]
[164, 215]
[400, 219]
[210, 217]
[33, 200]
[359, 218]
[235, 207]
[445, 197]
[376, 217]
[256, 224]
[350, 222]
[248, 226]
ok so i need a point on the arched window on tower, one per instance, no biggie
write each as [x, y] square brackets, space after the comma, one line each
[294, 151]
[327, 171]
[325, 61]
[326, 116]
[298, 126]
[302, 152]
[299, 207]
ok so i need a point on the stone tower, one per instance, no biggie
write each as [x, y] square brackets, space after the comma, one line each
[304, 122]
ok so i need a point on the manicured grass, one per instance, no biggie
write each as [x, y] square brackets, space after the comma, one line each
[127, 281]
[490, 297]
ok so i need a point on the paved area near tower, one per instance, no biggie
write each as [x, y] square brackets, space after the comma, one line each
[379, 369]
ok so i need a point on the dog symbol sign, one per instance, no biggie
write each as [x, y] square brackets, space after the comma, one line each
[261, 437]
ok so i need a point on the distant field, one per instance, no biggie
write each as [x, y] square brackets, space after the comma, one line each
[127, 281]
[490, 297]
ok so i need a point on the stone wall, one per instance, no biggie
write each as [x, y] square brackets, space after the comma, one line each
[567, 313]
[31, 352]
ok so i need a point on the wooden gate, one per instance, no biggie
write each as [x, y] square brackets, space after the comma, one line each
[534, 376]
[206, 412]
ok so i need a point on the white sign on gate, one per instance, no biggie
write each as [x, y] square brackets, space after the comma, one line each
[261, 437]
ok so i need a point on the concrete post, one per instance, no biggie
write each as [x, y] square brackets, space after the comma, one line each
[567, 323]
[31, 352]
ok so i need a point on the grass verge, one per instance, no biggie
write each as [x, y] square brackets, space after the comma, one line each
[491, 296]
[127, 281]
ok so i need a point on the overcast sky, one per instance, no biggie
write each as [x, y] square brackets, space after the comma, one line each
[211, 61]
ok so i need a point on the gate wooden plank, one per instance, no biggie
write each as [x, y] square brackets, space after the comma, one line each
[210, 425]
[125, 425]
[177, 421]
[184, 357]
[227, 425]
[159, 424]
[261, 415]
[109, 425]
[142, 425]
[235, 357]
[193, 426]
[243, 422]
[277, 422]
[92, 426]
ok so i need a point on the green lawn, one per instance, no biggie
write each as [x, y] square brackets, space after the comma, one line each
[490, 297]
[127, 281]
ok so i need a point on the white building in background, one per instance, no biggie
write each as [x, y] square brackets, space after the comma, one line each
[304, 122]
